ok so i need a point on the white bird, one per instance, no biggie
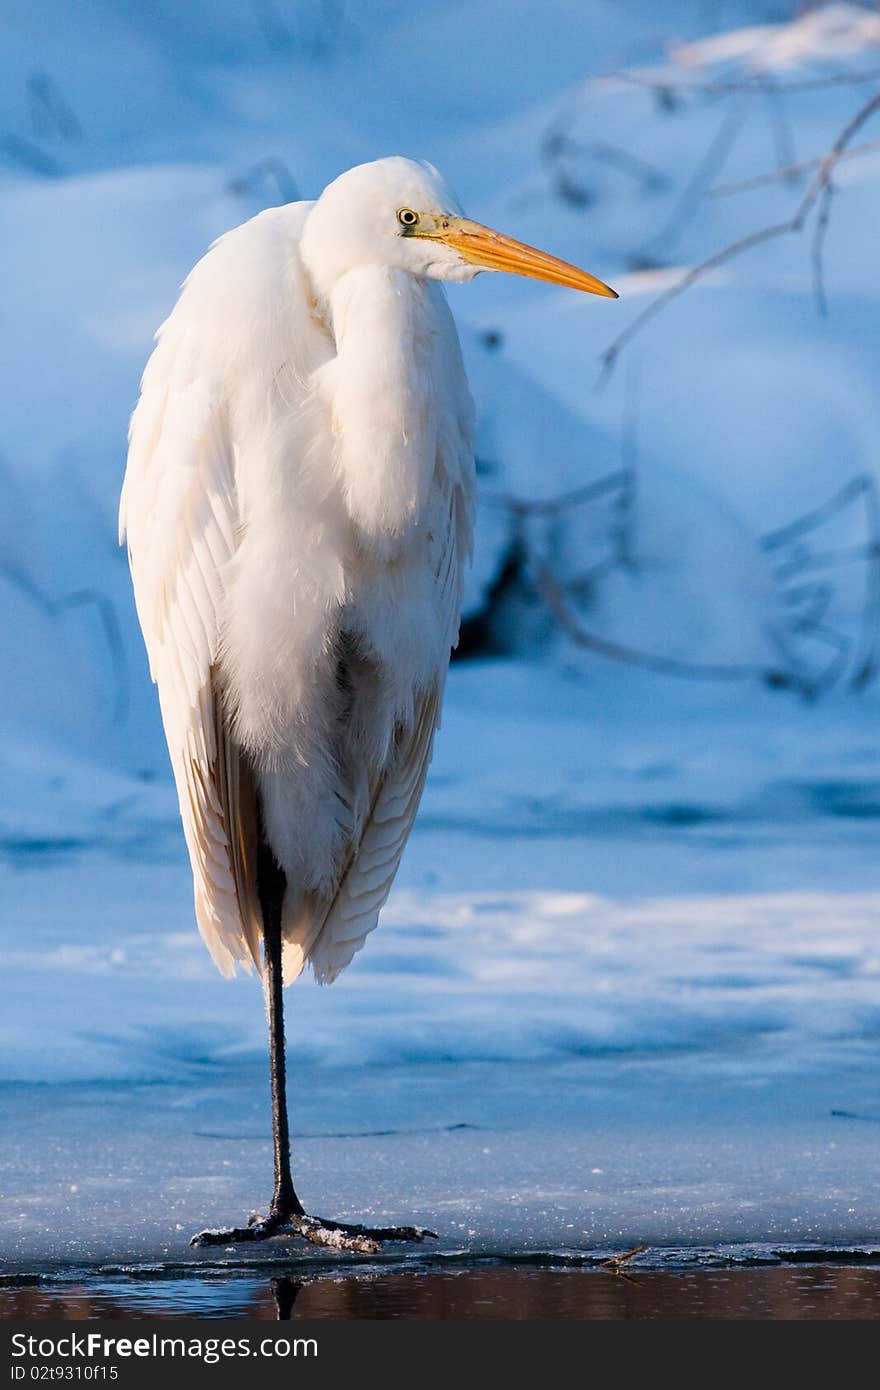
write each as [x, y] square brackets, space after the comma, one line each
[298, 508]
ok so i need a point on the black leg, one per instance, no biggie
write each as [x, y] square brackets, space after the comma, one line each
[286, 1214]
[271, 884]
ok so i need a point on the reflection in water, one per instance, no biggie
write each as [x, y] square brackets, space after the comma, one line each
[466, 1292]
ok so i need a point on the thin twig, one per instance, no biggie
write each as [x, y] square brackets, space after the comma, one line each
[688, 201]
[812, 196]
[269, 168]
[850, 492]
[557, 145]
[824, 188]
[51, 112]
[867, 665]
[791, 171]
[554, 596]
[29, 154]
[783, 135]
[697, 272]
[754, 83]
[818, 597]
[551, 506]
[802, 561]
[83, 598]
[624, 534]
[617, 157]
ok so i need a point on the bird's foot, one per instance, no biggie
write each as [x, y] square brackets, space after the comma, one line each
[333, 1235]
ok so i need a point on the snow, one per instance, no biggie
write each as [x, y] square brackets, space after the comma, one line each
[626, 989]
[826, 32]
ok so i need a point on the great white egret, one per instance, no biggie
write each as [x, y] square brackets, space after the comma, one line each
[298, 509]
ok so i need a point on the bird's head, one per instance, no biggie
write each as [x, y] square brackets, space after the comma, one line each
[399, 212]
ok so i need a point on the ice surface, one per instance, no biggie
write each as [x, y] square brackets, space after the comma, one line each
[626, 992]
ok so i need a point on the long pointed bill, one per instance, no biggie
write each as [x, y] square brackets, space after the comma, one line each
[492, 250]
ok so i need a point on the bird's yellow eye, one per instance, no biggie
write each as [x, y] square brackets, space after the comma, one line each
[407, 218]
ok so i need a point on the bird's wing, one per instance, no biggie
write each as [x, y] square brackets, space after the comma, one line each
[328, 934]
[179, 514]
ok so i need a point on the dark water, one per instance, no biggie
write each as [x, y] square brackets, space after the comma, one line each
[485, 1291]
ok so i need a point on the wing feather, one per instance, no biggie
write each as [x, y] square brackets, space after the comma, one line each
[329, 934]
[365, 887]
[179, 513]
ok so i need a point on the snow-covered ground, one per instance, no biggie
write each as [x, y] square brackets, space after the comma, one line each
[597, 867]
[628, 986]
[627, 991]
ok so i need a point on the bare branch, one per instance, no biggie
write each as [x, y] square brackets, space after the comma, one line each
[783, 135]
[89, 597]
[618, 157]
[51, 112]
[625, 530]
[815, 193]
[817, 599]
[850, 492]
[791, 171]
[868, 661]
[754, 83]
[810, 688]
[714, 159]
[824, 188]
[609, 357]
[552, 506]
[28, 154]
[557, 146]
[802, 560]
[555, 598]
[808, 601]
[817, 247]
[270, 168]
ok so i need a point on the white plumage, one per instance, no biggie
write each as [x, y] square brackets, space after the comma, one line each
[298, 508]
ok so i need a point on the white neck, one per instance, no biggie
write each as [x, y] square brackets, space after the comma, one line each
[379, 389]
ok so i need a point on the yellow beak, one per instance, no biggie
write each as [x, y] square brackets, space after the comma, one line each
[492, 250]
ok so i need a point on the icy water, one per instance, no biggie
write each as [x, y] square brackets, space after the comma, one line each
[485, 1291]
